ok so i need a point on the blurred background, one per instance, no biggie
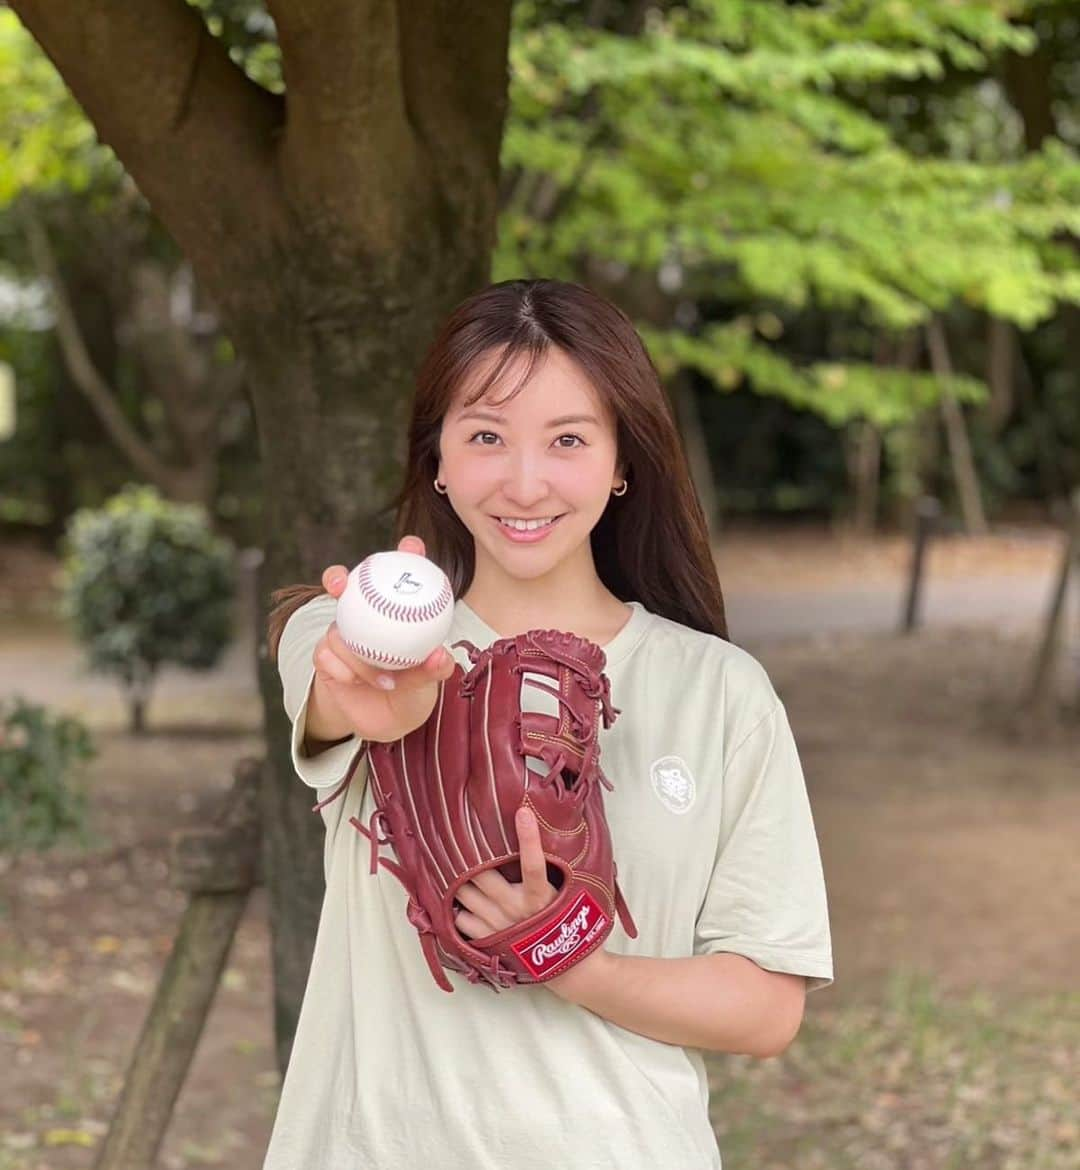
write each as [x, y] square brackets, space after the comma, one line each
[849, 235]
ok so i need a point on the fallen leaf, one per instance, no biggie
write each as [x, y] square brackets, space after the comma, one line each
[68, 1137]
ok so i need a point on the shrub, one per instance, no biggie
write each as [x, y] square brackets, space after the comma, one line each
[42, 797]
[146, 582]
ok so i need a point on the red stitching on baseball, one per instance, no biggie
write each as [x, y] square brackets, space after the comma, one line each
[382, 658]
[398, 611]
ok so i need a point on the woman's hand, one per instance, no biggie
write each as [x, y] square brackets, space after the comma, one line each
[492, 903]
[345, 690]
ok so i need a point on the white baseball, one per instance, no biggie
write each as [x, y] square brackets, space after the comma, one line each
[395, 609]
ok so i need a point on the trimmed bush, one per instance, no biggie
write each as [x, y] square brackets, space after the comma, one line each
[146, 582]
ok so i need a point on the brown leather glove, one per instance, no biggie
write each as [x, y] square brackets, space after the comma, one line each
[445, 797]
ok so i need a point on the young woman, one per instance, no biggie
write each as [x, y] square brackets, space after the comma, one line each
[546, 477]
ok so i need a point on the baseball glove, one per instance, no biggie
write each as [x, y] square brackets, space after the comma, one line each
[445, 797]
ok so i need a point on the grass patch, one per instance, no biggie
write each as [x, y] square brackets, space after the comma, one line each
[917, 1080]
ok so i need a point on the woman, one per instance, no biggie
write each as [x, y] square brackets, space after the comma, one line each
[546, 477]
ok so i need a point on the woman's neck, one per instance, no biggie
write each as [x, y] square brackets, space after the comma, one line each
[598, 615]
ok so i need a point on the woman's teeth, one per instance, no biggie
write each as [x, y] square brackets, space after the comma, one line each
[526, 525]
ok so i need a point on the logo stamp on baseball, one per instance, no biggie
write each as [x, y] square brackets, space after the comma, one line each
[395, 609]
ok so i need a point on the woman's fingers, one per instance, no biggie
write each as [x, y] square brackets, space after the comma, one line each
[533, 864]
[330, 666]
[438, 665]
[471, 926]
[476, 901]
[334, 578]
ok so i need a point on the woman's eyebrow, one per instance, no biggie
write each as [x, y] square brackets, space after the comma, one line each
[564, 420]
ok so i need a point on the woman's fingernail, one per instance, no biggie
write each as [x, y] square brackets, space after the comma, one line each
[386, 682]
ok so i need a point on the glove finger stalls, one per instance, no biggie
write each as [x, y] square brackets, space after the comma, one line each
[497, 781]
[449, 764]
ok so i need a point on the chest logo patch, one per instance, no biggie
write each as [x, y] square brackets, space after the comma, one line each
[673, 783]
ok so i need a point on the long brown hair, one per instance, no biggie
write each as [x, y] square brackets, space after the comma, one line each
[652, 544]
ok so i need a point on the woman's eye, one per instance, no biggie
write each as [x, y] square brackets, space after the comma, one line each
[565, 447]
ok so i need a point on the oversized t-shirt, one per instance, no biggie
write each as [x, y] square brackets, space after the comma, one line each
[716, 851]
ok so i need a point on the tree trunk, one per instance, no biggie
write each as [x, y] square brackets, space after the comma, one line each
[964, 473]
[697, 453]
[1000, 366]
[864, 467]
[332, 242]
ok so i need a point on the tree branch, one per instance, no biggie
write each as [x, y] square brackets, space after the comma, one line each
[347, 130]
[392, 104]
[193, 131]
[79, 362]
[455, 76]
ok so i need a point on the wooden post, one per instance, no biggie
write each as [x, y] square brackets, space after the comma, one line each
[219, 867]
[1040, 687]
[927, 515]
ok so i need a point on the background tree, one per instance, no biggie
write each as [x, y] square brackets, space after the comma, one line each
[331, 225]
[147, 357]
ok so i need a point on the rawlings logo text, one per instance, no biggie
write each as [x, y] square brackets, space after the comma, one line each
[567, 940]
[553, 944]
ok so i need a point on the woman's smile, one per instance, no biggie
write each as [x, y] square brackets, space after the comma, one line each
[525, 535]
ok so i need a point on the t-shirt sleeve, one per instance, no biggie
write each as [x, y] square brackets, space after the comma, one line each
[297, 671]
[765, 897]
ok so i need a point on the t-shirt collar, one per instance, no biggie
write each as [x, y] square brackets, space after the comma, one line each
[471, 626]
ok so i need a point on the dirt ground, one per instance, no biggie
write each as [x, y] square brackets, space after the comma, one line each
[947, 828]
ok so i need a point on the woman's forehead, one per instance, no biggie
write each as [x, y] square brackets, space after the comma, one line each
[556, 385]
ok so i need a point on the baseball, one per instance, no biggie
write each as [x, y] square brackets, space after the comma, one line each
[395, 609]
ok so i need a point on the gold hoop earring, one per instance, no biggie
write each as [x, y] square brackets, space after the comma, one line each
[440, 489]
[621, 491]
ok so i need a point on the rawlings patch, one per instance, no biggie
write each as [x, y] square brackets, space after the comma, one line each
[554, 944]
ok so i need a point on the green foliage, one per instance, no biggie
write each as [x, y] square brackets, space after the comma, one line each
[42, 797]
[727, 148]
[46, 142]
[247, 29]
[147, 582]
[730, 354]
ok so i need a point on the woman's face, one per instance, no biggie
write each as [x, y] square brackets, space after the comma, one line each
[548, 453]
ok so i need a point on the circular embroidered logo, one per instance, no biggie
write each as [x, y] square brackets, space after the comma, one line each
[673, 783]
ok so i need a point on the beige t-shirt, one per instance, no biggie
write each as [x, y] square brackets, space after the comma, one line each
[716, 851]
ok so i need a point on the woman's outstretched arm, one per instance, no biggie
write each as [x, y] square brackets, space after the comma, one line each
[720, 1002]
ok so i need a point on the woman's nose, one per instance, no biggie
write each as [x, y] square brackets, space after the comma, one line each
[525, 483]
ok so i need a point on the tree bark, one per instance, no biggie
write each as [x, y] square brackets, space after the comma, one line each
[1000, 367]
[864, 468]
[697, 451]
[332, 242]
[964, 473]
